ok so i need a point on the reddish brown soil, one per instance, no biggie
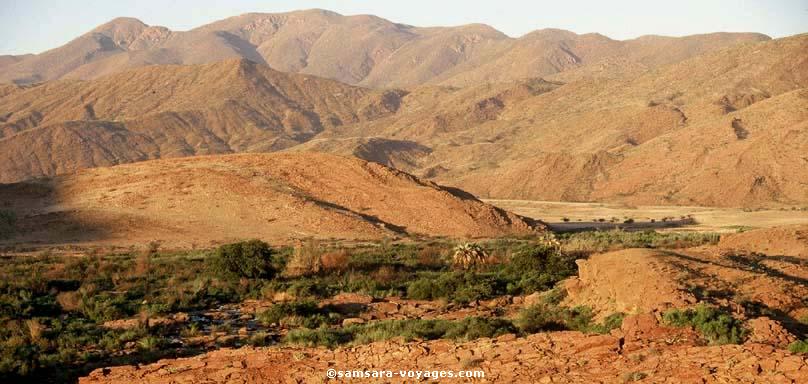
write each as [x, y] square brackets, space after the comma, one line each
[275, 197]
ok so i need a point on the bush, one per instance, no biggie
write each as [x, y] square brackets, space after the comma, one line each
[541, 317]
[151, 343]
[250, 259]
[547, 316]
[800, 346]
[309, 288]
[431, 288]
[472, 328]
[409, 329]
[715, 326]
[306, 313]
[613, 321]
[260, 339]
[460, 287]
[314, 337]
[537, 267]
[306, 259]
[336, 261]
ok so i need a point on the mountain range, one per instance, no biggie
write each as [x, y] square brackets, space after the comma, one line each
[359, 50]
[718, 119]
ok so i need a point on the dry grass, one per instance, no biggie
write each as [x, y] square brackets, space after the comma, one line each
[306, 260]
[69, 301]
[35, 329]
[430, 256]
[386, 274]
[335, 260]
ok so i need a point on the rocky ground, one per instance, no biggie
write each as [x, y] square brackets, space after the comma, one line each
[767, 293]
[640, 350]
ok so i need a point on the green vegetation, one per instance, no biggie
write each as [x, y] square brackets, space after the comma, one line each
[467, 329]
[53, 308]
[52, 318]
[799, 346]
[538, 318]
[299, 314]
[546, 316]
[601, 241]
[530, 268]
[716, 326]
[248, 259]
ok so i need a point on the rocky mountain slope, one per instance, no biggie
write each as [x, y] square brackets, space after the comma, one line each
[172, 111]
[361, 50]
[726, 128]
[673, 122]
[206, 200]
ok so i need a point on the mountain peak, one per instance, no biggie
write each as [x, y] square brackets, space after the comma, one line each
[121, 23]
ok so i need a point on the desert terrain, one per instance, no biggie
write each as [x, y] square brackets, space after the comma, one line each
[570, 216]
[210, 200]
[272, 195]
[707, 120]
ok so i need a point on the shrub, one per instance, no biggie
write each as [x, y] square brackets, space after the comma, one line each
[472, 328]
[103, 307]
[150, 343]
[715, 326]
[541, 317]
[306, 313]
[432, 287]
[430, 257]
[314, 337]
[799, 346]
[309, 288]
[385, 275]
[475, 287]
[460, 287]
[409, 329]
[250, 259]
[467, 329]
[547, 316]
[335, 260]
[613, 321]
[306, 259]
[260, 339]
[537, 267]
[421, 289]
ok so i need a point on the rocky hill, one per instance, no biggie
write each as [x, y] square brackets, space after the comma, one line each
[207, 200]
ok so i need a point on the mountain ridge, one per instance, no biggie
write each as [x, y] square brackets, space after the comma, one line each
[361, 50]
[725, 127]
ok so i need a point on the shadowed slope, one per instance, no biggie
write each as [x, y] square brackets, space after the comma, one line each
[212, 199]
[170, 111]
